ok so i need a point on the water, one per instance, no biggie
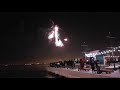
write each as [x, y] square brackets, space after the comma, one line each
[24, 71]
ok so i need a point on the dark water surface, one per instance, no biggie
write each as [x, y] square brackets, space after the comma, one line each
[25, 71]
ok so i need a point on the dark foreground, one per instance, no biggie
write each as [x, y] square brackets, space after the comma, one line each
[26, 71]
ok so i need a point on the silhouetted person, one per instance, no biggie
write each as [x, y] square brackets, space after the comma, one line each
[119, 69]
[96, 63]
[92, 64]
[74, 63]
[119, 59]
[81, 64]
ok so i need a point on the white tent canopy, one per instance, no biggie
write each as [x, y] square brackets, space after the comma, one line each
[92, 53]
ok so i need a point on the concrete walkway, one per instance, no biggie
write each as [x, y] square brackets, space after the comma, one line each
[73, 73]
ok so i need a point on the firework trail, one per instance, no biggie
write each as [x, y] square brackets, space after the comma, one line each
[54, 35]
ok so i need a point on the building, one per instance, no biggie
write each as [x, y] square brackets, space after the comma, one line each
[104, 56]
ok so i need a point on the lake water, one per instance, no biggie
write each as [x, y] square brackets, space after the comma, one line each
[25, 71]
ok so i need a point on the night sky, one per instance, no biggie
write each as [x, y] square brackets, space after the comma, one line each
[23, 34]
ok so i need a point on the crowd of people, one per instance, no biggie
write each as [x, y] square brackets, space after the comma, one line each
[81, 63]
[68, 64]
[108, 61]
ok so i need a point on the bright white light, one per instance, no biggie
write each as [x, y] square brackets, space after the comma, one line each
[102, 53]
[56, 28]
[107, 51]
[96, 54]
[55, 34]
[59, 43]
[90, 55]
[118, 50]
[110, 50]
[65, 39]
[87, 55]
[51, 35]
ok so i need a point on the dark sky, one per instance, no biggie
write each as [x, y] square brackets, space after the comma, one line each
[23, 33]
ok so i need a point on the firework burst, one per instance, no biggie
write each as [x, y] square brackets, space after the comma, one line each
[54, 35]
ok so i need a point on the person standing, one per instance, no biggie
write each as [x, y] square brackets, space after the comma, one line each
[96, 63]
[92, 63]
[81, 64]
